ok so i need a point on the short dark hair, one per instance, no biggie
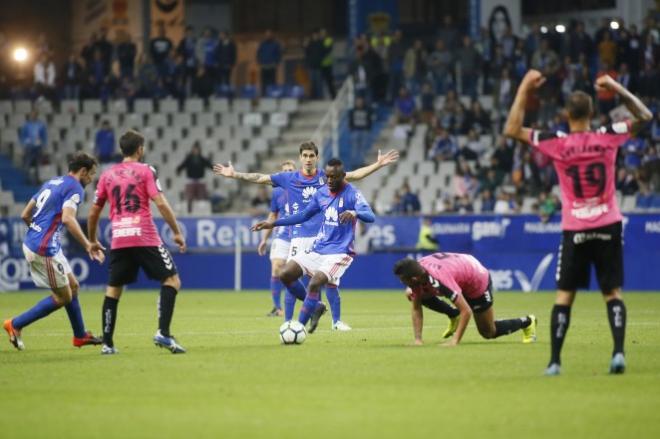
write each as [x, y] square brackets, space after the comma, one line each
[81, 160]
[334, 162]
[406, 267]
[579, 105]
[129, 142]
[309, 146]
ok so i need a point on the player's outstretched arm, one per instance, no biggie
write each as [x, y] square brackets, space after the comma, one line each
[640, 111]
[417, 315]
[464, 319]
[300, 217]
[382, 161]
[168, 215]
[26, 215]
[261, 248]
[514, 123]
[229, 172]
[93, 249]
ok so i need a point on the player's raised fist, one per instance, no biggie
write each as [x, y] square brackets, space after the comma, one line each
[533, 79]
[605, 82]
[225, 171]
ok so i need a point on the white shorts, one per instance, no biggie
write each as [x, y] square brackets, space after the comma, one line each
[48, 271]
[279, 249]
[333, 266]
[300, 246]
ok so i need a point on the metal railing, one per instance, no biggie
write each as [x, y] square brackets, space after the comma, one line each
[327, 133]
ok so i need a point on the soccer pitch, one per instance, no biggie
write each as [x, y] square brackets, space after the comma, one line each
[237, 380]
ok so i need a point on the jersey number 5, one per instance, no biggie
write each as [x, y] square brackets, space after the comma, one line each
[131, 202]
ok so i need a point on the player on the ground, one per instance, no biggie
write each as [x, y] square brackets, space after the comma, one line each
[340, 206]
[279, 248]
[462, 279]
[435, 303]
[53, 206]
[129, 186]
[300, 187]
[585, 162]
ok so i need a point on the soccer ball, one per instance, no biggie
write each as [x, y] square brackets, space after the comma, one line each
[292, 332]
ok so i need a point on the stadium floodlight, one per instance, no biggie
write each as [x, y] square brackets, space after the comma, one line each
[560, 28]
[20, 54]
[544, 29]
[614, 25]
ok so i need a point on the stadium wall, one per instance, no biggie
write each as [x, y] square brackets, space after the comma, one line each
[520, 251]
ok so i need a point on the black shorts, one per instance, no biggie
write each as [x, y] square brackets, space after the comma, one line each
[125, 263]
[602, 247]
[484, 302]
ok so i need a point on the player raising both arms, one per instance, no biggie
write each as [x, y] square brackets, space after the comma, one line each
[340, 206]
[53, 206]
[279, 248]
[591, 221]
[462, 279]
[129, 186]
[300, 187]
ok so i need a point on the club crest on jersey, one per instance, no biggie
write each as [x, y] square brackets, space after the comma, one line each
[321, 181]
[308, 192]
[331, 216]
[341, 202]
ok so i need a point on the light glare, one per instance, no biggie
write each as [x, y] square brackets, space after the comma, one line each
[560, 28]
[20, 54]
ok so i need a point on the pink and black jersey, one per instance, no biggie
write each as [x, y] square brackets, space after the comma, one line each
[452, 274]
[585, 163]
[130, 186]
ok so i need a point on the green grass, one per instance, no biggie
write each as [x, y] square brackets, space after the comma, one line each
[237, 380]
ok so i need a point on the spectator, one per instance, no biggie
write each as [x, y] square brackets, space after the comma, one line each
[260, 204]
[173, 75]
[405, 106]
[187, 50]
[313, 56]
[72, 76]
[195, 166]
[626, 182]
[126, 52]
[547, 62]
[625, 78]
[427, 101]
[477, 119]
[327, 62]
[445, 206]
[655, 128]
[439, 63]
[360, 118]
[632, 51]
[414, 65]
[395, 56]
[490, 181]
[504, 203]
[410, 204]
[203, 83]
[105, 48]
[648, 82]
[396, 206]
[504, 91]
[607, 51]
[269, 56]
[548, 205]
[34, 139]
[160, 48]
[508, 42]
[96, 76]
[44, 77]
[470, 67]
[487, 201]
[87, 52]
[207, 52]
[464, 205]
[633, 150]
[448, 33]
[445, 147]
[427, 241]
[226, 58]
[580, 43]
[472, 148]
[464, 182]
[504, 155]
[650, 50]
[104, 143]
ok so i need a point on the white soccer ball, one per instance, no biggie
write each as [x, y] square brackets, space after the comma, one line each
[292, 332]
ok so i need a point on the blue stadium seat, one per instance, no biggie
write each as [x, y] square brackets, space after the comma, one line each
[249, 92]
[225, 91]
[644, 201]
[295, 91]
[275, 91]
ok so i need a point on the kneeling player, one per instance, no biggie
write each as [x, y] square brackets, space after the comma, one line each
[466, 282]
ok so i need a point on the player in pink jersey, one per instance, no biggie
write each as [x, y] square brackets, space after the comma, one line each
[591, 221]
[462, 279]
[130, 186]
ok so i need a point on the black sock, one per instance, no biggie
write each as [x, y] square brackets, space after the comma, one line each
[438, 305]
[559, 321]
[109, 317]
[166, 308]
[505, 327]
[616, 314]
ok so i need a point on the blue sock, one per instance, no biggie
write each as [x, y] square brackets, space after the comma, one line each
[44, 307]
[276, 291]
[332, 294]
[289, 305]
[297, 289]
[75, 317]
[309, 305]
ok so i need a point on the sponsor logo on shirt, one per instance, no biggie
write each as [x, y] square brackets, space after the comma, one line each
[580, 238]
[584, 212]
[331, 216]
[307, 193]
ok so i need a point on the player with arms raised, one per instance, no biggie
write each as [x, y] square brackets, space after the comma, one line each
[301, 187]
[340, 205]
[462, 279]
[129, 186]
[591, 221]
[54, 206]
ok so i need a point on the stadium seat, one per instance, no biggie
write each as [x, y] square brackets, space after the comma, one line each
[267, 105]
[92, 106]
[219, 105]
[117, 106]
[143, 106]
[206, 119]
[253, 119]
[278, 119]
[193, 105]
[23, 106]
[168, 105]
[85, 119]
[6, 107]
[158, 120]
[69, 106]
[289, 105]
